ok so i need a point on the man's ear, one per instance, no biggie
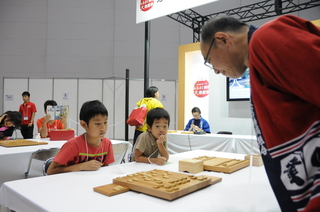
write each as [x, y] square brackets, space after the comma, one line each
[222, 37]
[83, 124]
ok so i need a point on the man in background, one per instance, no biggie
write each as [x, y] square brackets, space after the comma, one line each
[28, 111]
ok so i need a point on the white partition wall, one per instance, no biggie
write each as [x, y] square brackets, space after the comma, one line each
[88, 90]
[41, 90]
[74, 92]
[12, 91]
[108, 100]
[65, 92]
[168, 98]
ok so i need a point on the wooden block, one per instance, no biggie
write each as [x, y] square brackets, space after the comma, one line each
[192, 166]
[164, 184]
[172, 131]
[111, 189]
[20, 142]
[256, 160]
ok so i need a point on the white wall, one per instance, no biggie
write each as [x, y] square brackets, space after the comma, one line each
[83, 39]
[224, 115]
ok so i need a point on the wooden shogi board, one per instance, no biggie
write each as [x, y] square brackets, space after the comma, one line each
[226, 165]
[164, 184]
[20, 142]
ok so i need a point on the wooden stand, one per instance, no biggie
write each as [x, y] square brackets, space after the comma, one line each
[256, 160]
[191, 165]
[226, 165]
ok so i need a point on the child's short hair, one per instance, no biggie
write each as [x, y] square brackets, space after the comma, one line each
[13, 116]
[90, 109]
[26, 93]
[49, 102]
[157, 113]
[195, 109]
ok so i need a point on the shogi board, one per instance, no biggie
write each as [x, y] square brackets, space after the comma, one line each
[226, 165]
[187, 132]
[20, 142]
[165, 184]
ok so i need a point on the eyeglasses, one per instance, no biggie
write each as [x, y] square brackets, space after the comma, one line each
[206, 58]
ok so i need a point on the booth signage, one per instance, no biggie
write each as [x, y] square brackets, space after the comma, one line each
[150, 9]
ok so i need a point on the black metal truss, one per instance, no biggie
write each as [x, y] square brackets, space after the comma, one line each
[252, 12]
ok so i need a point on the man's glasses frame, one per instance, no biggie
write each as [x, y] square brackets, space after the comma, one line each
[206, 58]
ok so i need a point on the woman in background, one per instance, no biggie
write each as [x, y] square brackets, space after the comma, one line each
[151, 101]
[197, 123]
[9, 121]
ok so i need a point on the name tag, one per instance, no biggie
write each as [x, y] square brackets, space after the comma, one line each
[25, 118]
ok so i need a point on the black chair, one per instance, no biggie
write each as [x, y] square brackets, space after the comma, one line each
[224, 132]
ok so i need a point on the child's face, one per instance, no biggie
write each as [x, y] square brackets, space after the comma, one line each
[97, 127]
[25, 98]
[159, 127]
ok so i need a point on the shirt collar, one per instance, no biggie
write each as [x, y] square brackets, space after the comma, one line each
[252, 29]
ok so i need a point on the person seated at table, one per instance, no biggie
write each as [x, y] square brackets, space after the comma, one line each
[9, 121]
[46, 123]
[152, 146]
[89, 151]
[197, 123]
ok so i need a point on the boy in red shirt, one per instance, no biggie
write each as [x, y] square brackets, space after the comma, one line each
[89, 151]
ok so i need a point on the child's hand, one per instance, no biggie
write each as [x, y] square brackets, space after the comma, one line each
[161, 139]
[2, 117]
[63, 120]
[46, 118]
[91, 165]
[160, 161]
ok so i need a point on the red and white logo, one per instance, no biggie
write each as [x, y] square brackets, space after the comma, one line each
[146, 5]
[201, 88]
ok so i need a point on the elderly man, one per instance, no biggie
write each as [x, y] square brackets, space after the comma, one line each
[283, 56]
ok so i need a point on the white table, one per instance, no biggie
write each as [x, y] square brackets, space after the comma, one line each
[245, 190]
[14, 160]
[244, 144]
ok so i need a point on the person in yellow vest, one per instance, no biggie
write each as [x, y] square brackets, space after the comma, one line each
[150, 101]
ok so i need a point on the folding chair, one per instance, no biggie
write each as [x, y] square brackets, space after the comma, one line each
[46, 165]
[120, 151]
[42, 155]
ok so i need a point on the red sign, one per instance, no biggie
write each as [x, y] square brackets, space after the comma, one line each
[201, 88]
[146, 5]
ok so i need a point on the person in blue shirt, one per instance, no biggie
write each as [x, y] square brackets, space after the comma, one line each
[197, 123]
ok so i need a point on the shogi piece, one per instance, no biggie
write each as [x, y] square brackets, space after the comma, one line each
[192, 166]
[256, 160]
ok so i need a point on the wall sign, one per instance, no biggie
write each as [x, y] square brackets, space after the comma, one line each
[150, 9]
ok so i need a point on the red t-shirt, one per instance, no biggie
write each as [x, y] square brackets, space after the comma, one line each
[76, 150]
[26, 110]
[56, 125]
